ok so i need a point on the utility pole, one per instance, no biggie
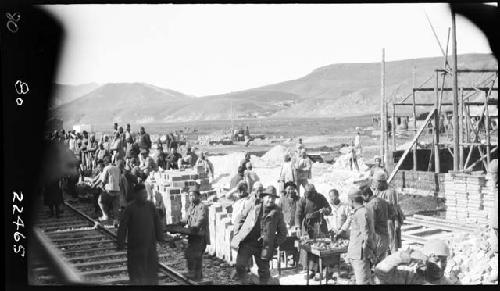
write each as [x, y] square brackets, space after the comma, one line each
[456, 150]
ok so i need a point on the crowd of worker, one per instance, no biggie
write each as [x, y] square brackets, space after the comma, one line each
[262, 216]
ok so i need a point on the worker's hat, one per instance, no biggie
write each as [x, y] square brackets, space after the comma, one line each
[377, 157]
[436, 247]
[270, 190]
[195, 188]
[303, 151]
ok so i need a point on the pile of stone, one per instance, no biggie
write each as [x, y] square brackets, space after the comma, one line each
[473, 258]
[467, 198]
[173, 187]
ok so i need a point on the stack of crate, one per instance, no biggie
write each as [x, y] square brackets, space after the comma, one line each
[465, 198]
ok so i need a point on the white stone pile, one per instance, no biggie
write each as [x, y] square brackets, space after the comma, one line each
[473, 259]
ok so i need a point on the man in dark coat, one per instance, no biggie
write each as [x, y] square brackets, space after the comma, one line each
[259, 230]
[173, 160]
[378, 211]
[197, 222]
[141, 225]
[53, 197]
[309, 213]
[144, 140]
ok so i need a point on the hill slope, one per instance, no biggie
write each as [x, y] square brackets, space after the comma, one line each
[331, 91]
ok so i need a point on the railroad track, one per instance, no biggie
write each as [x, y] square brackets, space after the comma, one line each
[86, 248]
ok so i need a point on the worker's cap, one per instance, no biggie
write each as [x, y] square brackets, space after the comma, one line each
[258, 186]
[270, 190]
[195, 188]
[379, 176]
[354, 192]
[357, 128]
[249, 164]
[377, 157]
[144, 151]
[493, 166]
[303, 151]
[436, 247]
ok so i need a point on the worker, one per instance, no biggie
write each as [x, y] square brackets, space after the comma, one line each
[147, 164]
[361, 246]
[207, 165]
[160, 158]
[303, 169]
[353, 160]
[299, 147]
[426, 267]
[357, 143]
[259, 230]
[115, 128]
[110, 197]
[197, 222]
[338, 222]
[141, 226]
[117, 148]
[380, 188]
[377, 166]
[378, 210]
[97, 190]
[144, 139]
[257, 191]
[173, 159]
[242, 166]
[193, 157]
[289, 201]
[250, 176]
[53, 197]
[243, 199]
[309, 217]
[287, 173]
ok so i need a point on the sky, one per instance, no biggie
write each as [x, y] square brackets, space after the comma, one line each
[213, 49]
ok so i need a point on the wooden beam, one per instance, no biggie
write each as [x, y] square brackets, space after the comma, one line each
[487, 129]
[472, 70]
[382, 107]
[461, 129]
[490, 102]
[415, 138]
[467, 89]
[481, 159]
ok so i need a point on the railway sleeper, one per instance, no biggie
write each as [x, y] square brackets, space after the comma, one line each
[99, 256]
[107, 261]
[77, 234]
[102, 267]
[99, 250]
[86, 243]
[63, 240]
[97, 273]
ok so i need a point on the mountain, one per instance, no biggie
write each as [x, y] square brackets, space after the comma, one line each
[336, 90]
[67, 93]
[121, 102]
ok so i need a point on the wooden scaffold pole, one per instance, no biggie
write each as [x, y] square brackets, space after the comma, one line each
[383, 120]
[414, 122]
[456, 151]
